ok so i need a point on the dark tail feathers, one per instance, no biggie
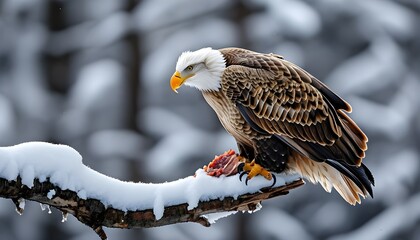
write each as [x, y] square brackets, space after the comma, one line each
[361, 176]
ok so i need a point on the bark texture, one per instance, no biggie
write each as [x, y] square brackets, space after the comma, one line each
[96, 215]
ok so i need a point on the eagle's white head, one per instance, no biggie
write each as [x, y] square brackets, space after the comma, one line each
[202, 69]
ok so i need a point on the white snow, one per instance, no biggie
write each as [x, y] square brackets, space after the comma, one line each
[63, 166]
[51, 194]
[213, 217]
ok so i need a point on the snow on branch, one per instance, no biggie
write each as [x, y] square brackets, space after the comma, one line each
[55, 175]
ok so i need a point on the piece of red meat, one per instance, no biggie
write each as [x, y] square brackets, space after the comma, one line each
[224, 164]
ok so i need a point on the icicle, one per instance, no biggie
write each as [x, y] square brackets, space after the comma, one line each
[213, 217]
[20, 206]
[257, 208]
[45, 206]
[19, 211]
[65, 215]
[21, 203]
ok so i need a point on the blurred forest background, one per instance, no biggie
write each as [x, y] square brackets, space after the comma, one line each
[94, 74]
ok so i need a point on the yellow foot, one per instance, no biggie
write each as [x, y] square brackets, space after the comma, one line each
[253, 169]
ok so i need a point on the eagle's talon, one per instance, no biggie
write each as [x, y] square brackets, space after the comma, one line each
[253, 169]
[265, 189]
[241, 175]
[274, 180]
[240, 167]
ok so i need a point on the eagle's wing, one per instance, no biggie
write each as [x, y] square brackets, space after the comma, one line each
[277, 97]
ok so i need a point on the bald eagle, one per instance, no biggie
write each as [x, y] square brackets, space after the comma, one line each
[282, 118]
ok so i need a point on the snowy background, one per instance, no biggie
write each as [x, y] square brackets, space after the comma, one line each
[95, 75]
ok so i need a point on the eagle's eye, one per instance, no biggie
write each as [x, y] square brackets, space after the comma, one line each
[189, 68]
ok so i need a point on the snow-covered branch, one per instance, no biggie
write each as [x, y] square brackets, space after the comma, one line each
[55, 175]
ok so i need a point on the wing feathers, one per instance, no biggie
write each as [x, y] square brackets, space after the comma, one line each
[278, 97]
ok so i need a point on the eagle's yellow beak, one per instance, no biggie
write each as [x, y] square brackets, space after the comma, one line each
[177, 80]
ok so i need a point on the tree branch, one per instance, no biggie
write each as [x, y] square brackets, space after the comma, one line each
[96, 215]
[55, 175]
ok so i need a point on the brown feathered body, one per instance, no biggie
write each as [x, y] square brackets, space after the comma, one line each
[287, 120]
